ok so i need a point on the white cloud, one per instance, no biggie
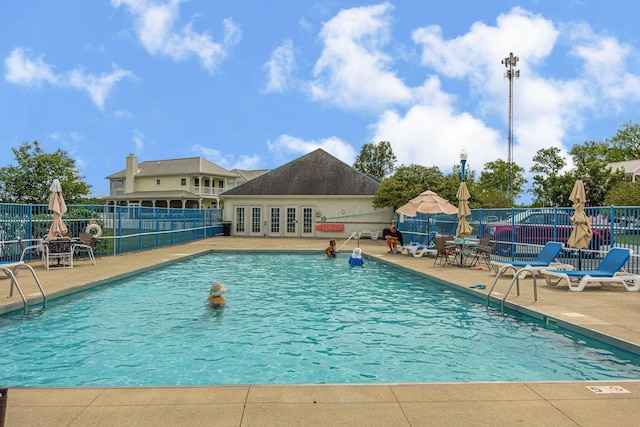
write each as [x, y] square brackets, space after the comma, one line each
[24, 71]
[605, 65]
[353, 72]
[428, 125]
[138, 141]
[97, 86]
[433, 133]
[279, 68]
[227, 161]
[285, 145]
[546, 109]
[155, 22]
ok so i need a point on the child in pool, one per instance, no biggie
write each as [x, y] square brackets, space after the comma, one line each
[331, 251]
[356, 258]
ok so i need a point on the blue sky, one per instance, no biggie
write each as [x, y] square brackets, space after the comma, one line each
[255, 84]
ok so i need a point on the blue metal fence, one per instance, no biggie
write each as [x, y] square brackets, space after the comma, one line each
[123, 228]
[520, 233]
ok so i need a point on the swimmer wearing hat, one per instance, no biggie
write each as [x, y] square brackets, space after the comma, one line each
[215, 299]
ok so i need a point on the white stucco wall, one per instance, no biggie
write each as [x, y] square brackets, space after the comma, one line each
[355, 213]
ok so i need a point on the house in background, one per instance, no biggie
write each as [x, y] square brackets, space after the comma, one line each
[316, 195]
[178, 183]
[630, 167]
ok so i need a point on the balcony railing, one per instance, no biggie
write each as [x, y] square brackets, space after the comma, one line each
[206, 191]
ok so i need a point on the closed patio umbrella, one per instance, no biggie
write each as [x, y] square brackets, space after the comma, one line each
[58, 207]
[464, 228]
[581, 233]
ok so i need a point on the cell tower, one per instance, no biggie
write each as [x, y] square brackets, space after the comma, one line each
[511, 74]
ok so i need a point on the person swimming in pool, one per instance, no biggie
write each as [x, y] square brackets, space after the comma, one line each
[356, 258]
[215, 299]
[331, 250]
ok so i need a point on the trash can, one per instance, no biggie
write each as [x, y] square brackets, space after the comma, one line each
[226, 228]
[3, 404]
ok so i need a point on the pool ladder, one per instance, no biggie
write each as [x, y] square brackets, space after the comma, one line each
[517, 274]
[11, 270]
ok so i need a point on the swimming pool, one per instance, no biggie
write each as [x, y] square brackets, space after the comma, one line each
[290, 319]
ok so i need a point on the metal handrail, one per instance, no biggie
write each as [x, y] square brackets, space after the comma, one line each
[354, 234]
[10, 269]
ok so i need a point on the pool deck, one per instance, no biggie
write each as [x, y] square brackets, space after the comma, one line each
[612, 313]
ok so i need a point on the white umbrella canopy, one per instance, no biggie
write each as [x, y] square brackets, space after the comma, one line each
[59, 208]
[464, 228]
[581, 233]
[427, 202]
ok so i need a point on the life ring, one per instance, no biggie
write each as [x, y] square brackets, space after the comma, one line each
[93, 229]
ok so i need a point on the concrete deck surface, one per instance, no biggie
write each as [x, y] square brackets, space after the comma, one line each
[612, 313]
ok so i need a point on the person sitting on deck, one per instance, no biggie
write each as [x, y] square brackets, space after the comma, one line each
[356, 258]
[394, 238]
[215, 299]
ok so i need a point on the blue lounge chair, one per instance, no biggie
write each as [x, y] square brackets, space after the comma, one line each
[545, 258]
[419, 249]
[609, 271]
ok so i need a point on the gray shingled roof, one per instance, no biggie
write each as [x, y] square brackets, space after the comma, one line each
[188, 166]
[248, 175]
[315, 174]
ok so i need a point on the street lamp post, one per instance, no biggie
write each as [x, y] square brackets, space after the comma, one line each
[463, 162]
[510, 62]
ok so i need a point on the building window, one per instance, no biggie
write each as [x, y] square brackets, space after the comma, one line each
[117, 187]
[183, 181]
[220, 184]
[157, 182]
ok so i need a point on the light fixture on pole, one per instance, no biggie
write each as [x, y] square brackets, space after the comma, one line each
[510, 62]
[463, 162]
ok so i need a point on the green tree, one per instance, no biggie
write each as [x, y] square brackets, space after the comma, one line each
[625, 145]
[591, 161]
[493, 187]
[547, 185]
[376, 159]
[407, 183]
[29, 180]
[624, 194]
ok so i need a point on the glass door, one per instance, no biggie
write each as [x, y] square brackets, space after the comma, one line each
[307, 222]
[275, 221]
[256, 221]
[291, 224]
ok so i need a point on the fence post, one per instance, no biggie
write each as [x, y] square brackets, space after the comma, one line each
[3, 404]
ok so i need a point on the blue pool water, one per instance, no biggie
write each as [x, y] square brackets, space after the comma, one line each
[290, 319]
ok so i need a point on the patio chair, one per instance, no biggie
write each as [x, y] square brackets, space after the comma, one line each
[60, 251]
[609, 271]
[482, 252]
[32, 252]
[444, 252]
[545, 259]
[84, 247]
